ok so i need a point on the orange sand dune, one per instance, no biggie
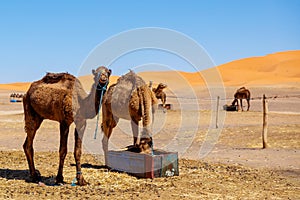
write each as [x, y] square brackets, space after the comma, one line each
[16, 87]
[277, 68]
[174, 78]
[281, 68]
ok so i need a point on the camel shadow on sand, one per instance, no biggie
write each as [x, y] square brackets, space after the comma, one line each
[19, 174]
[91, 166]
[14, 174]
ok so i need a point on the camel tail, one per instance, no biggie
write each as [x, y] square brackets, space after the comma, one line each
[146, 109]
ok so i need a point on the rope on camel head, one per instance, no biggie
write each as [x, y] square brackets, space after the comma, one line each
[103, 90]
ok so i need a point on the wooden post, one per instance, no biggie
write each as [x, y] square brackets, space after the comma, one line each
[265, 123]
[217, 111]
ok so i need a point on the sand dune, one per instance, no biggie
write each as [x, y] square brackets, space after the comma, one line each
[281, 68]
[16, 87]
[278, 68]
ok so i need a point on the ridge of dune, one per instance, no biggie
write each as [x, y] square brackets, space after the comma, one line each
[281, 68]
[272, 69]
[277, 68]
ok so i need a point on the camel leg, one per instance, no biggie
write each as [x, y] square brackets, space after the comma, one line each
[135, 130]
[107, 133]
[163, 99]
[238, 105]
[248, 102]
[108, 124]
[79, 131]
[241, 101]
[63, 149]
[32, 123]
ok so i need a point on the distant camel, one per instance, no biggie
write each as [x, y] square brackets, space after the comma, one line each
[16, 95]
[160, 94]
[60, 97]
[241, 94]
[131, 99]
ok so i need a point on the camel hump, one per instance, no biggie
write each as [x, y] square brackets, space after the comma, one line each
[242, 90]
[131, 79]
[51, 78]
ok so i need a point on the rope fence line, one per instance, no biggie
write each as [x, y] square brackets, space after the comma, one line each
[277, 97]
[253, 98]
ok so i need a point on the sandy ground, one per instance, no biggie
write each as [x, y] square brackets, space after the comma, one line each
[227, 162]
[223, 163]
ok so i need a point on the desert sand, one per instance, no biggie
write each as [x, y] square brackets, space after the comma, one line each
[235, 167]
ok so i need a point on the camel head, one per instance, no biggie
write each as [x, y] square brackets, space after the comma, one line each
[161, 86]
[101, 75]
[145, 145]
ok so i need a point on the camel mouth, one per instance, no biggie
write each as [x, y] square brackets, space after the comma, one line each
[103, 81]
[101, 75]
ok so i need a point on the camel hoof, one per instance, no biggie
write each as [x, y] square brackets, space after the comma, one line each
[59, 180]
[36, 177]
[81, 181]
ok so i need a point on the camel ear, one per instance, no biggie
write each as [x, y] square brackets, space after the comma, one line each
[94, 72]
[109, 72]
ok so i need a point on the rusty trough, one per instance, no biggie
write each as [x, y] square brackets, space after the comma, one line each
[230, 107]
[160, 164]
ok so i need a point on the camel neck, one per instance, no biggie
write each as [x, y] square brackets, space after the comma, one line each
[100, 91]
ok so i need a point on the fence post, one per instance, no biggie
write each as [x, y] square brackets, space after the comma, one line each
[217, 111]
[265, 123]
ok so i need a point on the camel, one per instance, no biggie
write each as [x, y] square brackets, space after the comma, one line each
[60, 97]
[131, 99]
[241, 94]
[160, 94]
[16, 95]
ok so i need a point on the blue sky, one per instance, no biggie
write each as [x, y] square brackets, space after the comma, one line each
[56, 36]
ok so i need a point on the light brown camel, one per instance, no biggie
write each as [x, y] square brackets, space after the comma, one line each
[130, 98]
[60, 97]
[241, 94]
[160, 94]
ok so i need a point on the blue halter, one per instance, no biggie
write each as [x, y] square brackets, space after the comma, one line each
[103, 89]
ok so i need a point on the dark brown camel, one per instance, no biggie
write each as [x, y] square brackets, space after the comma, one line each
[60, 97]
[160, 94]
[241, 94]
[131, 99]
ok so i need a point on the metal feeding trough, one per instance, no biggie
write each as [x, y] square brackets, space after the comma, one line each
[160, 164]
[167, 106]
[230, 107]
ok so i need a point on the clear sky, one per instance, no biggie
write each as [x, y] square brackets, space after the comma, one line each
[57, 35]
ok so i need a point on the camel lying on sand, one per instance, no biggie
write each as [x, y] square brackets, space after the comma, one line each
[60, 97]
[130, 98]
[241, 94]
